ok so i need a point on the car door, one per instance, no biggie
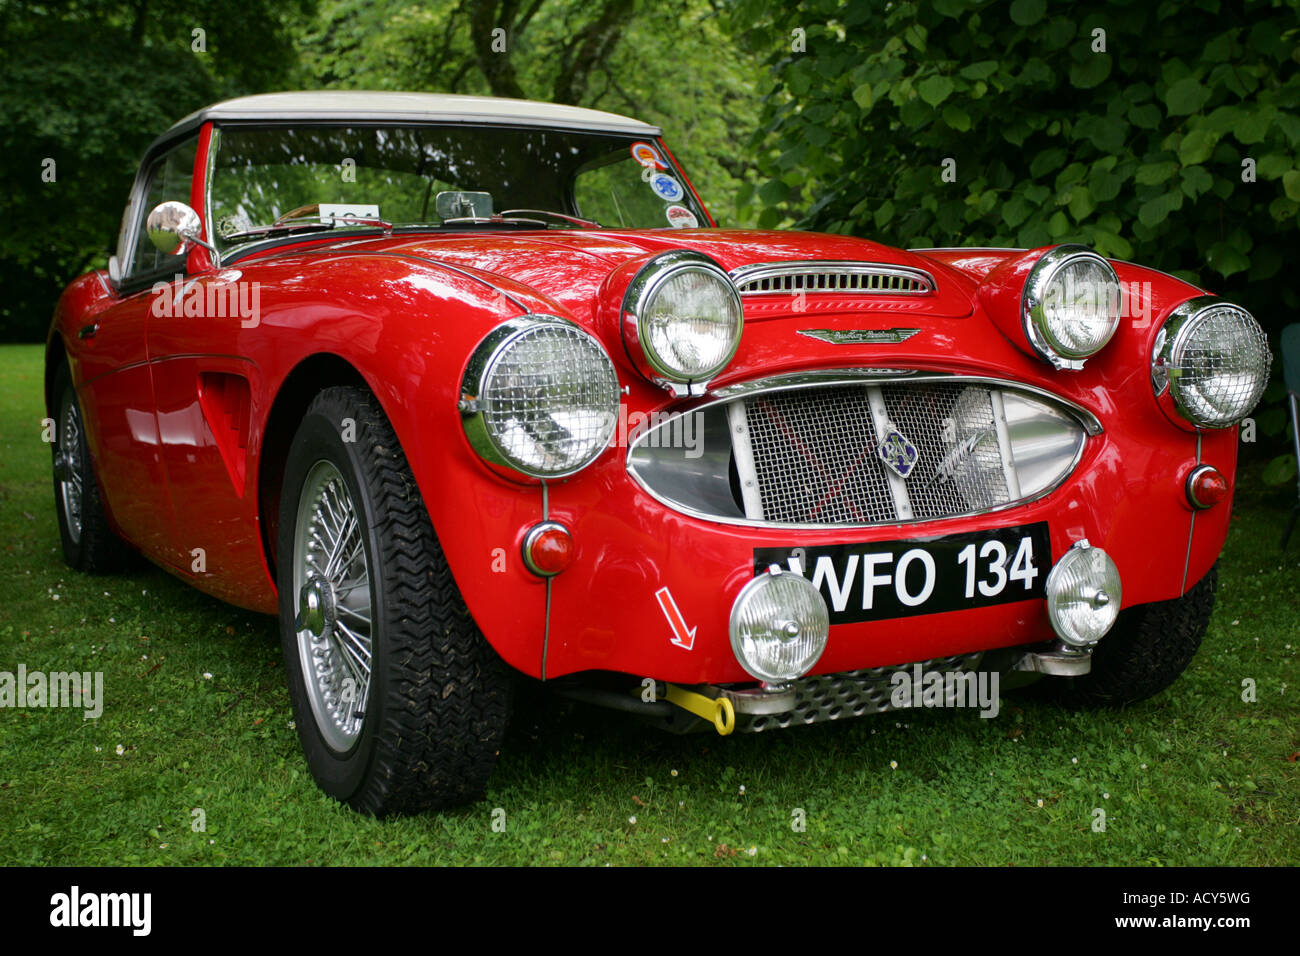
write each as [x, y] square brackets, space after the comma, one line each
[111, 365]
[204, 387]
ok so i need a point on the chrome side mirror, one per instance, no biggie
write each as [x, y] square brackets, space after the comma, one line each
[173, 228]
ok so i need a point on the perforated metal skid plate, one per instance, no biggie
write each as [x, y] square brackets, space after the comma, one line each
[850, 694]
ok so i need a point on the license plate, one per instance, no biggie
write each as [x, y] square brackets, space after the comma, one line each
[887, 579]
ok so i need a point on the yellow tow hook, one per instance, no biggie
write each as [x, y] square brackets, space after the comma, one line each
[717, 711]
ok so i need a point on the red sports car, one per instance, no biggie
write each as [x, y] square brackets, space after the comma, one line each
[473, 390]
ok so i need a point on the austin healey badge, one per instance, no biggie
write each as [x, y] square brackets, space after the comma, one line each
[898, 453]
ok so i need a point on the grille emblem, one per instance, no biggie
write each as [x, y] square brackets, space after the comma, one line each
[898, 453]
[860, 336]
[956, 457]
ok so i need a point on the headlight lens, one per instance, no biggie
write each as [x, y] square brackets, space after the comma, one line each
[779, 626]
[1071, 305]
[1214, 359]
[541, 396]
[1083, 595]
[683, 313]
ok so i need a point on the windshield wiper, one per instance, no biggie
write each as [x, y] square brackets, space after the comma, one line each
[555, 215]
[308, 226]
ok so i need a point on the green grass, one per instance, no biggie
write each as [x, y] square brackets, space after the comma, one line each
[1195, 776]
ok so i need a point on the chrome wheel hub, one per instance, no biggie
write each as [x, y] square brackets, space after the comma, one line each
[332, 612]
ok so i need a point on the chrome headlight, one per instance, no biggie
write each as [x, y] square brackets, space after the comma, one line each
[682, 315]
[1070, 307]
[1213, 359]
[540, 395]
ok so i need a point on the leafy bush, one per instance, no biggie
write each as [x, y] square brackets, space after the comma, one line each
[1163, 133]
[86, 87]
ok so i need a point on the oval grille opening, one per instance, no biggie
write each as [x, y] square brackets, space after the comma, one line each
[860, 454]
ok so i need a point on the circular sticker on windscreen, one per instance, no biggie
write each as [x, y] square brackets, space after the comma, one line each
[666, 188]
[647, 155]
[679, 217]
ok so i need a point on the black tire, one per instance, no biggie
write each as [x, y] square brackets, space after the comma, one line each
[438, 697]
[89, 543]
[1146, 650]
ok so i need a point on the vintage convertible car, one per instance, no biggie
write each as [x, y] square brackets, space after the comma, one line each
[472, 390]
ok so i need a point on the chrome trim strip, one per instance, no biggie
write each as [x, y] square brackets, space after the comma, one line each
[738, 425]
[762, 271]
[1009, 473]
[897, 483]
[546, 623]
[1092, 427]
[1191, 527]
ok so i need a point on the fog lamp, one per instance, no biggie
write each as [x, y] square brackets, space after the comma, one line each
[1083, 595]
[779, 626]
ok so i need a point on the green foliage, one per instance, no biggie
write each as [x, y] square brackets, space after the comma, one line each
[668, 63]
[1141, 151]
[88, 86]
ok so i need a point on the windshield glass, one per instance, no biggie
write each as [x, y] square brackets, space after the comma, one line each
[447, 177]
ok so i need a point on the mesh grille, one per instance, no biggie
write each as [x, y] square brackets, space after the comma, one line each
[815, 458]
[549, 399]
[851, 694]
[816, 453]
[860, 279]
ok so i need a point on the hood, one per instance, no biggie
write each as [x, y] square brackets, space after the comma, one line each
[569, 266]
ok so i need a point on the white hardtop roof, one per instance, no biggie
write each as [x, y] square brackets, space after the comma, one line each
[336, 105]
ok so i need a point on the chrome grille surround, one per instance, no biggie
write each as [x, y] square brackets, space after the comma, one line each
[851, 694]
[802, 450]
[826, 277]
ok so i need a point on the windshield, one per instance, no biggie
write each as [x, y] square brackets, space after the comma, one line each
[267, 180]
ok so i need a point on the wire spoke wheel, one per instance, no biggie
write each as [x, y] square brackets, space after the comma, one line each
[399, 702]
[71, 467]
[332, 610]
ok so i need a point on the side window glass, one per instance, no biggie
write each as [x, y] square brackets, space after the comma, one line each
[169, 178]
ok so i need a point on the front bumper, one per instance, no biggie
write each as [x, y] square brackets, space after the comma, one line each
[1125, 496]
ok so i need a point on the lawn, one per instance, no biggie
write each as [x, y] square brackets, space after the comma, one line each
[194, 760]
